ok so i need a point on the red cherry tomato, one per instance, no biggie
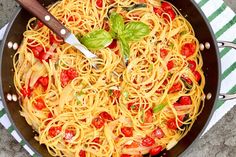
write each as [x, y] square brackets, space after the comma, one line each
[157, 11]
[82, 153]
[72, 73]
[148, 141]
[99, 3]
[197, 76]
[171, 13]
[176, 87]
[188, 80]
[188, 49]
[37, 50]
[155, 150]
[40, 24]
[44, 82]
[39, 104]
[64, 78]
[53, 39]
[72, 18]
[113, 44]
[50, 115]
[125, 155]
[163, 53]
[69, 134]
[192, 65]
[158, 133]
[98, 122]
[148, 116]
[170, 65]
[166, 6]
[133, 106]
[171, 124]
[185, 100]
[106, 116]
[127, 131]
[177, 104]
[54, 131]
[26, 92]
[116, 93]
[96, 140]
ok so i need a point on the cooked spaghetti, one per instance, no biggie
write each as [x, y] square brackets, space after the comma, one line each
[144, 96]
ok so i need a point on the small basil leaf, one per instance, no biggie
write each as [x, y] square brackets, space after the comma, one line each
[124, 47]
[117, 23]
[135, 31]
[96, 40]
[158, 108]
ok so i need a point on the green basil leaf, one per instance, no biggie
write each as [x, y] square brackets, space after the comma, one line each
[135, 31]
[158, 108]
[117, 23]
[124, 48]
[97, 39]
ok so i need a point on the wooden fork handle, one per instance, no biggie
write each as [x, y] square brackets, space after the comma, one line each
[34, 7]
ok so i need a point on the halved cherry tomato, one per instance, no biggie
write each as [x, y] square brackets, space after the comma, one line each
[54, 131]
[188, 49]
[72, 18]
[39, 104]
[96, 140]
[99, 3]
[177, 104]
[26, 92]
[44, 82]
[98, 122]
[53, 39]
[171, 13]
[125, 155]
[163, 53]
[192, 65]
[175, 88]
[133, 106]
[185, 100]
[39, 24]
[148, 141]
[170, 65]
[127, 131]
[116, 93]
[50, 115]
[82, 153]
[69, 134]
[64, 78]
[197, 76]
[105, 116]
[188, 80]
[166, 6]
[148, 116]
[113, 44]
[171, 124]
[157, 11]
[37, 50]
[156, 150]
[158, 133]
[72, 73]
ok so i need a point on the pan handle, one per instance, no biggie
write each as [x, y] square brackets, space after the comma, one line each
[223, 44]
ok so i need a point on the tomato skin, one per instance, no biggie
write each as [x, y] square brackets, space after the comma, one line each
[106, 116]
[148, 116]
[127, 131]
[170, 65]
[69, 134]
[166, 6]
[192, 65]
[148, 141]
[125, 155]
[72, 73]
[185, 100]
[155, 150]
[158, 133]
[99, 3]
[98, 122]
[54, 131]
[157, 11]
[40, 24]
[113, 44]
[171, 124]
[163, 53]
[39, 104]
[26, 92]
[82, 153]
[197, 76]
[171, 13]
[175, 88]
[188, 49]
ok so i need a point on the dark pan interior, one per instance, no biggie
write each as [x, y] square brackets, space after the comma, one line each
[211, 69]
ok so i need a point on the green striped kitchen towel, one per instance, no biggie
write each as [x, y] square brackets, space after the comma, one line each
[223, 22]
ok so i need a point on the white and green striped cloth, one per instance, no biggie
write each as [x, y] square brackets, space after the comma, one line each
[223, 22]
